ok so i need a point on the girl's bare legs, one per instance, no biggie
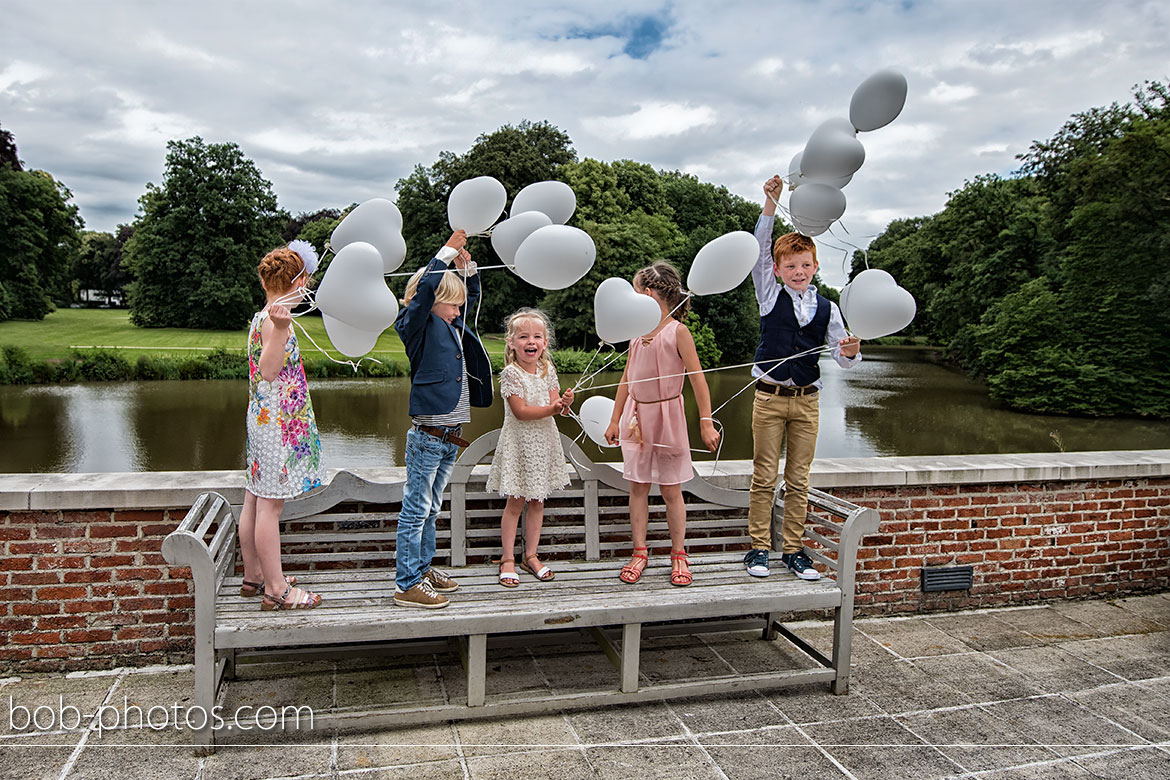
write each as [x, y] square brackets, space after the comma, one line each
[676, 522]
[267, 544]
[247, 533]
[508, 522]
[533, 522]
[639, 520]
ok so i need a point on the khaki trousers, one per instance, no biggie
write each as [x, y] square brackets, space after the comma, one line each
[774, 418]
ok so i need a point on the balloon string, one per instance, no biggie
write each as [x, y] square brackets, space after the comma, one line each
[581, 382]
[304, 294]
[445, 270]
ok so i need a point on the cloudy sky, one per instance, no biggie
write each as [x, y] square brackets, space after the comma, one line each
[335, 102]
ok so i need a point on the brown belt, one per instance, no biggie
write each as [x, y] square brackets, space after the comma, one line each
[768, 387]
[443, 434]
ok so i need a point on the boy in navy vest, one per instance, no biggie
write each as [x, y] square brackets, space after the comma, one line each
[449, 373]
[794, 318]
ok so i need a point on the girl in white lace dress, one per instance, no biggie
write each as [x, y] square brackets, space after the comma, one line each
[528, 463]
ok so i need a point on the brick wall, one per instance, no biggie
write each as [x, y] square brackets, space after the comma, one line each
[90, 589]
[1027, 542]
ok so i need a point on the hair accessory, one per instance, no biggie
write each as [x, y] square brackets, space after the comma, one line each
[307, 254]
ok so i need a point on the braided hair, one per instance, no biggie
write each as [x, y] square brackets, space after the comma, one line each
[665, 279]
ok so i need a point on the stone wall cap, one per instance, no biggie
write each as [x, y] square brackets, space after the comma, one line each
[170, 489]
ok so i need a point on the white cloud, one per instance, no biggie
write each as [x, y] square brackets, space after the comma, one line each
[951, 93]
[20, 72]
[652, 120]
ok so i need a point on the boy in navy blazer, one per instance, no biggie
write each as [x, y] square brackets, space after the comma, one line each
[449, 373]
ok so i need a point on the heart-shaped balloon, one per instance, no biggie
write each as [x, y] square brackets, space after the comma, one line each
[874, 305]
[552, 198]
[595, 414]
[816, 203]
[796, 176]
[377, 222]
[723, 263]
[832, 151]
[355, 303]
[878, 100]
[555, 256]
[510, 234]
[622, 313]
[475, 204]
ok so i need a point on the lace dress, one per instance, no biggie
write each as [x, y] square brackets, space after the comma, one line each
[283, 454]
[529, 462]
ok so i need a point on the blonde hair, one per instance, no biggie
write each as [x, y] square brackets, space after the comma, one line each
[511, 325]
[279, 269]
[664, 278]
[451, 288]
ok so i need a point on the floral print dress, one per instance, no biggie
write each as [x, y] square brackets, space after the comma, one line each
[284, 449]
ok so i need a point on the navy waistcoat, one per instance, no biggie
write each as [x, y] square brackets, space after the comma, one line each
[781, 335]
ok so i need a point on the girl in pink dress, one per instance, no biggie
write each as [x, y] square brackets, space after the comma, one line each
[650, 423]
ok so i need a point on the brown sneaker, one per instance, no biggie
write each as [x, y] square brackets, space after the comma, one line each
[440, 581]
[421, 595]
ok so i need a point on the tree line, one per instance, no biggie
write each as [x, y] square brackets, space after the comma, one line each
[1052, 284]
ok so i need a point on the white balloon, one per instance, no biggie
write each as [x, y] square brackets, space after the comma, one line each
[510, 234]
[796, 177]
[596, 411]
[723, 263]
[354, 300]
[817, 203]
[475, 204]
[621, 313]
[874, 305]
[552, 198]
[809, 230]
[832, 151]
[377, 222]
[878, 100]
[555, 256]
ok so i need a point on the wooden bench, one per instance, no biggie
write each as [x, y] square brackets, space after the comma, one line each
[349, 561]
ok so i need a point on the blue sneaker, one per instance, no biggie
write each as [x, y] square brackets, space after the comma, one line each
[756, 562]
[801, 565]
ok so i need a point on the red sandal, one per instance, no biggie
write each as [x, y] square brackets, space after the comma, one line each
[632, 572]
[680, 576]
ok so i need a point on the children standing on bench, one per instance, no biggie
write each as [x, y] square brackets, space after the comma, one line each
[650, 423]
[794, 318]
[528, 463]
[449, 373]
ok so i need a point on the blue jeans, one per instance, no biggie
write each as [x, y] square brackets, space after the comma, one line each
[429, 462]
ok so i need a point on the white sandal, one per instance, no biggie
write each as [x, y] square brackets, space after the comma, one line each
[509, 579]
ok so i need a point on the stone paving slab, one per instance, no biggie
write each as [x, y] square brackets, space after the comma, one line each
[1071, 690]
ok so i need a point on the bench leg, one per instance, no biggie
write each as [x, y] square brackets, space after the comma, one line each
[631, 650]
[206, 684]
[476, 670]
[842, 648]
[769, 627]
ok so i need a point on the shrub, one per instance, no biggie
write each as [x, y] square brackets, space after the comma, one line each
[227, 365]
[194, 368]
[17, 365]
[101, 366]
[152, 368]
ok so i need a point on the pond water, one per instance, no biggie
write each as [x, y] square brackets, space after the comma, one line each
[898, 401]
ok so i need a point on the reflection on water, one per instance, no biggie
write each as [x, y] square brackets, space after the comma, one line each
[896, 402]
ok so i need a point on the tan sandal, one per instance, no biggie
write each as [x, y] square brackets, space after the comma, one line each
[632, 572]
[303, 600]
[509, 579]
[544, 573]
[248, 589]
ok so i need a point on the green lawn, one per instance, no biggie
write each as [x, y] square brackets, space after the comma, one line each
[66, 330]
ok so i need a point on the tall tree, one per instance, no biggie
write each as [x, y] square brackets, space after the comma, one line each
[41, 233]
[199, 237]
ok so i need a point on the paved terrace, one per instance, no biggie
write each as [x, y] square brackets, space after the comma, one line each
[1070, 690]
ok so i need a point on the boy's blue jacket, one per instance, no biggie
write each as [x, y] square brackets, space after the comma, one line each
[434, 348]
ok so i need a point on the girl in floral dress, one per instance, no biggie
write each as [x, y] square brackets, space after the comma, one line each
[528, 463]
[284, 449]
[650, 423]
